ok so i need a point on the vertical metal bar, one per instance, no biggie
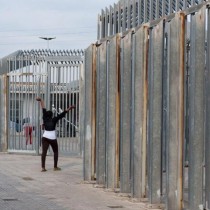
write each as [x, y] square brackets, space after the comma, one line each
[81, 109]
[129, 3]
[32, 114]
[37, 110]
[68, 103]
[170, 10]
[176, 113]
[196, 116]
[103, 26]
[184, 4]
[133, 14]
[4, 113]
[177, 5]
[15, 105]
[125, 115]
[163, 8]
[25, 101]
[145, 11]
[65, 90]
[115, 19]
[101, 117]
[63, 105]
[157, 9]
[111, 20]
[11, 98]
[99, 27]
[140, 114]
[151, 10]
[87, 158]
[90, 109]
[93, 107]
[119, 18]
[132, 107]
[64, 82]
[207, 128]
[155, 112]
[123, 15]
[107, 21]
[139, 11]
[165, 111]
[76, 103]
[112, 114]
[21, 98]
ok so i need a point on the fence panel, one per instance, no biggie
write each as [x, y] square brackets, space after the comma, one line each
[155, 69]
[113, 113]
[63, 91]
[101, 116]
[139, 182]
[125, 124]
[25, 83]
[176, 112]
[89, 118]
[196, 108]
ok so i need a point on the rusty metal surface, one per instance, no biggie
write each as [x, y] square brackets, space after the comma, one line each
[176, 113]
[140, 108]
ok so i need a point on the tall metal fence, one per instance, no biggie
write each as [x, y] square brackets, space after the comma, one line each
[52, 75]
[127, 14]
[147, 109]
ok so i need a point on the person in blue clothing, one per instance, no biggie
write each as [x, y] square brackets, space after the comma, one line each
[49, 136]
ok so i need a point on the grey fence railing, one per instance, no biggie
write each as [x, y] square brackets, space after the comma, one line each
[146, 111]
[127, 14]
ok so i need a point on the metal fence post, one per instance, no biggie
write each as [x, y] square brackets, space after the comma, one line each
[101, 114]
[4, 112]
[125, 115]
[207, 128]
[196, 108]
[140, 113]
[176, 113]
[82, 109]
[89, 115]
[112, 137]
[155, 112]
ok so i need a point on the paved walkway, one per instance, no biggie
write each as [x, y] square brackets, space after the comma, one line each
[24, 187]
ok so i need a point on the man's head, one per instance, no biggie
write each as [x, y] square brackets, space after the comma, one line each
[49, 114]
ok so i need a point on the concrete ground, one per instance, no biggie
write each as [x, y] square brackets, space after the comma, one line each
[24, 187]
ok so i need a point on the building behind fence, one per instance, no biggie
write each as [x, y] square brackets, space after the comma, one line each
[146, 109]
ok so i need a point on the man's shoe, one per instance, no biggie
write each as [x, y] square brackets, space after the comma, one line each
[43, 170]
[57, 169]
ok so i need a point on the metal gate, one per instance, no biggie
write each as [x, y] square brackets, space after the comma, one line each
[54, 76]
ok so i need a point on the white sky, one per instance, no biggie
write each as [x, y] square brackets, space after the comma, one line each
[72, 22]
